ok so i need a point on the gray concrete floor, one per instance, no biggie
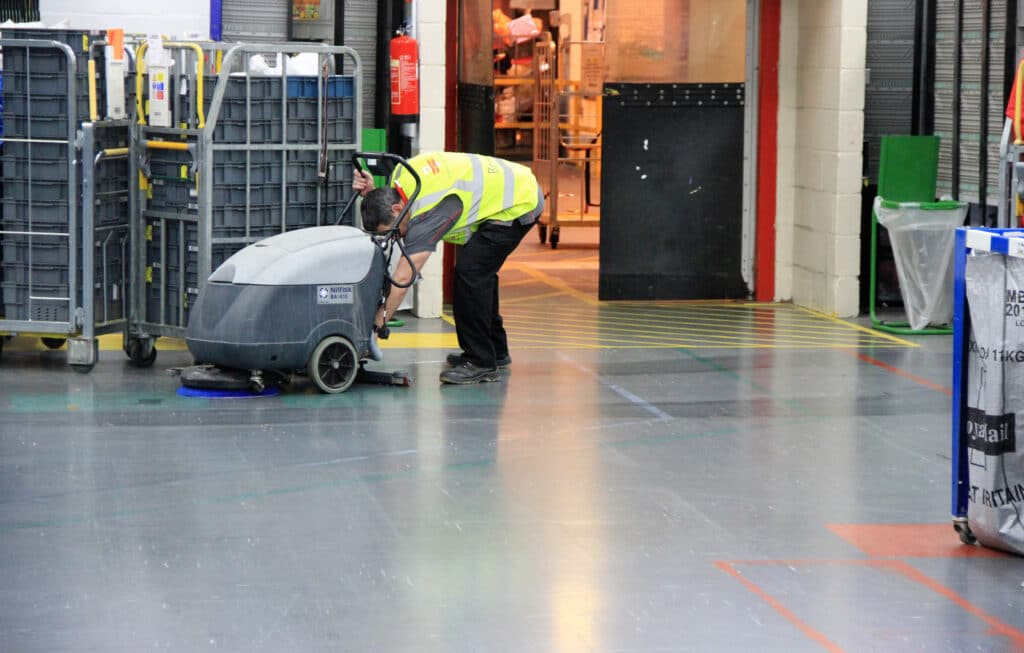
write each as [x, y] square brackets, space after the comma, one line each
[662, 477]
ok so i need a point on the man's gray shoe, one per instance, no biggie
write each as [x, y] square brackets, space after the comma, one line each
[467, 373]
[458, 359]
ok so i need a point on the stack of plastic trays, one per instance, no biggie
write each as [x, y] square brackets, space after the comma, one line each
[171, 235]
[248, 197]
[111, 218]
[35, 173]
[172, 275]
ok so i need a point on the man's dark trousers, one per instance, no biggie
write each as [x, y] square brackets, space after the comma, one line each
[475, 305]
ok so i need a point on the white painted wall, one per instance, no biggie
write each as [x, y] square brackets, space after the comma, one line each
[430, 32]
[177, 18]
[821, 90]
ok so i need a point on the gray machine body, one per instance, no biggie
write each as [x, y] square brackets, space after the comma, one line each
[269, 305]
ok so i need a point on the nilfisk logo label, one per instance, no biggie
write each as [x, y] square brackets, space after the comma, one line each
[334, 294]
[992, 435]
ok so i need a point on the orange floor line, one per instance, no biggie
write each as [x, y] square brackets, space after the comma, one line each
[907, 375]
[1015, 636]
[910, 541]
[999, 628]
[801, 625]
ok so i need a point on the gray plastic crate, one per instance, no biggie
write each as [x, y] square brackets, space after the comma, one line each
[174, 278]
[173, 241]
[310, 109]
[307, 193]
[172, 195]
[16, 80]
[38, 212]
[229, 167]
[40, 250]
[38, 274]
[260, 88]
[260, 108]
[41, 230]
[304, 166]
[16, 302]
[46, 151]
[47, 191]
[78, 40]
[113, 180]
[112, 214]
[38, 168]
[237, 196]
[176, 168]
[36, 127]
[305, 215]
[38, 105]
[33, 61]
[253, 131]
[255, 233]
[307, 131]
[231, 221]
[167, 278]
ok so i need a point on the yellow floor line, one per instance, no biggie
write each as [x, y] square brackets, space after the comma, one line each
[530, 298]
[420, 341]
[581, 329]
[879, 334]
[672, 320]
[554, 282]
[666, 324]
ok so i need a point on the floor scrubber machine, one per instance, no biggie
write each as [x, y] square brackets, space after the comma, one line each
[303, 302]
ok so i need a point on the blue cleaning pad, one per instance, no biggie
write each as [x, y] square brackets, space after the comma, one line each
[228, 394]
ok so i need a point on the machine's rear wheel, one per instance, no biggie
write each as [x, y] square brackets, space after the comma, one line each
[53, 343]
[333, 365]
[141, 352]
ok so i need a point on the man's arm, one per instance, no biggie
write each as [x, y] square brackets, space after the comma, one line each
[403, 274]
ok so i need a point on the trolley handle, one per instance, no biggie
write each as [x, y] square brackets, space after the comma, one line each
[384, 164]
[375, 162]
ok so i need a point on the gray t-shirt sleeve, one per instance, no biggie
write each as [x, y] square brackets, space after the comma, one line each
[430, 227]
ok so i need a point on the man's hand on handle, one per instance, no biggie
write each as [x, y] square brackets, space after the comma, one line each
[362, 182]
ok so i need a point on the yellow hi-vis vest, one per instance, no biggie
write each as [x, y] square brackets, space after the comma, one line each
[489, 188]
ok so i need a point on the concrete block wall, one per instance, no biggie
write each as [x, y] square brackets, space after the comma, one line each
[428, 293]
[821, 126]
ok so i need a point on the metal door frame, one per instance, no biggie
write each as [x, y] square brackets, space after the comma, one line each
[750, 139]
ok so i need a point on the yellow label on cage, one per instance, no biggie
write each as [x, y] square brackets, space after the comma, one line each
[149, 274]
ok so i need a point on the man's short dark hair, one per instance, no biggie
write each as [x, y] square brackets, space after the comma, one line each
[376, 207]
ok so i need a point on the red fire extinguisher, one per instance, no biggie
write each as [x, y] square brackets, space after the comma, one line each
[405, 81]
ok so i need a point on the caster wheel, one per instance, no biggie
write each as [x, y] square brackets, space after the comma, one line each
[81, 369]
[142, 353]
[53, 343]
[333, 365]
[542, 231]
[554, 238]
[966, 536]
[257, 387]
